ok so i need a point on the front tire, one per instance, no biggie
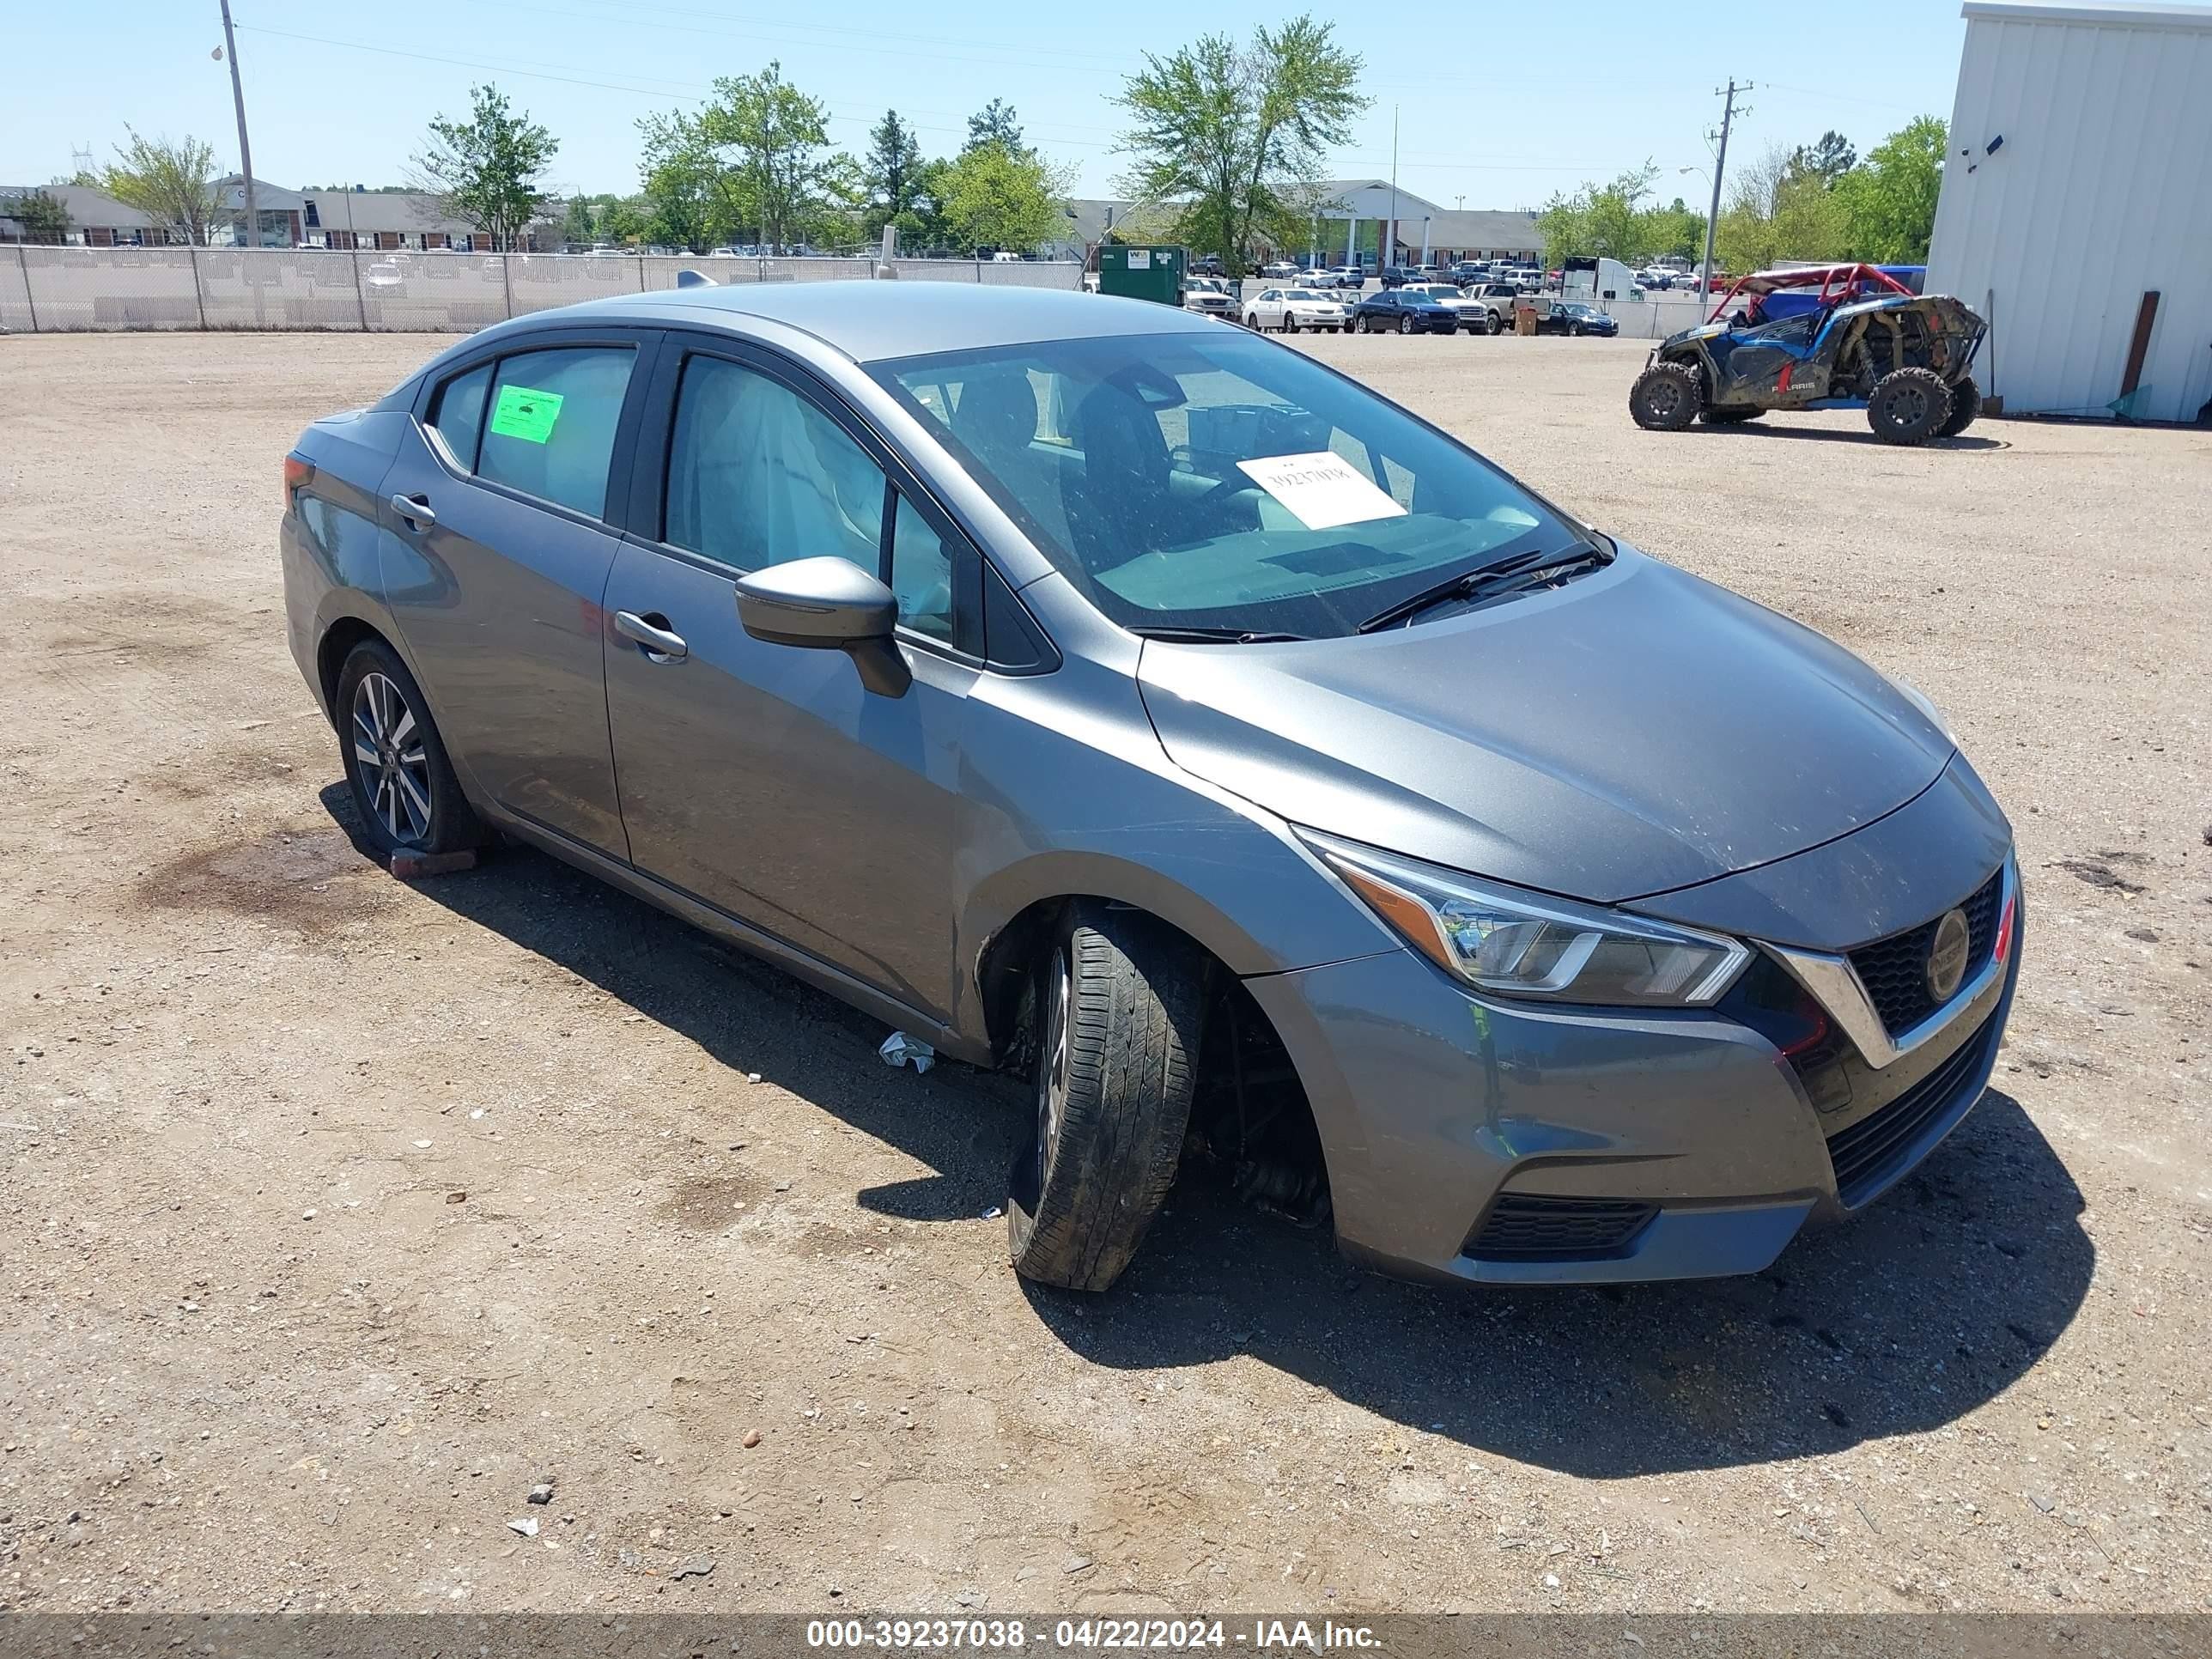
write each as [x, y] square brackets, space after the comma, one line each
[1121, 1011]
[1405, 325]
[1497, 323]
[1966, 403]
[404, 785]
[1665, 397]
[1909, 406]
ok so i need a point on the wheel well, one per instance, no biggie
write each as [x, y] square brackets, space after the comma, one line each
[1250, 1116]
[337, 645]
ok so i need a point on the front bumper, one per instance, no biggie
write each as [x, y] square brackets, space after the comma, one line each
[1476, 1141]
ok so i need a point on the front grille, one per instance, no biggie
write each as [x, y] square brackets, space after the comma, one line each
[1869, 1154]
[1894, 971]
[1532, 1227]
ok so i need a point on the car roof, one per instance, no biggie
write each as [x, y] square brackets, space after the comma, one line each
[869, 321]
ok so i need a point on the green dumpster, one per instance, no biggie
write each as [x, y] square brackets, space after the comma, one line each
[1142, 273]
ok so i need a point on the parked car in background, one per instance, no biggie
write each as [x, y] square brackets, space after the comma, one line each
[1209, 295]
[1277, 270]
[1474, 316]
[1287, 310]
[1397, 275]
[1396, 311]
[1573, 317]
[1468, 270]
[1497, 300]
[1351, 276]
[1126, 681]
[1208, 264]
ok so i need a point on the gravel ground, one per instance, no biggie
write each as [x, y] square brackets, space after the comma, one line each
[338, 1212]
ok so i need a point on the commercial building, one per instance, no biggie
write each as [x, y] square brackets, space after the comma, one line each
[2076, 206]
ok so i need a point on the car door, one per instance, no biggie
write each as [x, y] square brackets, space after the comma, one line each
[1268, 307]
[501, 541]
[764, 779]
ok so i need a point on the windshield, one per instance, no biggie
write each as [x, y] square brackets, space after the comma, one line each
[1307, 294]
[1186, 480]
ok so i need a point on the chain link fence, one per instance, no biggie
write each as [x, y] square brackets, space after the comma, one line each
[74, 289]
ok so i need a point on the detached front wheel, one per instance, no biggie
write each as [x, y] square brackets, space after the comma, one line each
[1120, 1011]
[1665, 397]
[1966, 403]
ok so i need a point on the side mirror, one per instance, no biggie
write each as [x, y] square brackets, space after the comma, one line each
[827, 604]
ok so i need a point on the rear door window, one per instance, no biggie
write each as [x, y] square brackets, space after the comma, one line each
[459, 418]
[549, 425]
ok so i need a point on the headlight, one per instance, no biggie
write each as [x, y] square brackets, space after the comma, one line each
[1516, 944]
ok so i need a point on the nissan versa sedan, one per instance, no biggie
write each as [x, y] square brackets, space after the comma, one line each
[1082, 687]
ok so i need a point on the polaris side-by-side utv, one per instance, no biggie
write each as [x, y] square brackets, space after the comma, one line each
[1865, 341]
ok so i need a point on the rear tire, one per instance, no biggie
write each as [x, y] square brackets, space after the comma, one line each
[1909, 406]
[404, 785]
[1120, 1012]
[1665, 397]
[1966, 405]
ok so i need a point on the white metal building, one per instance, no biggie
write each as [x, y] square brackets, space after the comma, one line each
[2079, 183]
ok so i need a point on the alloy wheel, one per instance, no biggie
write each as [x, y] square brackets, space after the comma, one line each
[394, 764]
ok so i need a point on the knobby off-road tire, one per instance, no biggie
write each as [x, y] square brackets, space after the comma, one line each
[1665, 397]
[1966, 403]
[1119, 1010]
[1729, 416]
[1909, 406]
[404, 784]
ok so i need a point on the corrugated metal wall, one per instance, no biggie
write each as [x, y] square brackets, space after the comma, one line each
[2101, 190]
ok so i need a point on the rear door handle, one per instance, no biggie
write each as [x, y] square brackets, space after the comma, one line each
[660, 645]
[414, 509]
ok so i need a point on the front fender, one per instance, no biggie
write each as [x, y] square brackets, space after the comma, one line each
[1066, 792]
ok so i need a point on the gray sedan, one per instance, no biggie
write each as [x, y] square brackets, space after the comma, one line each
[1082, 687]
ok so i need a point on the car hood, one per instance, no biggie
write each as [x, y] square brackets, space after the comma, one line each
[1634, 732]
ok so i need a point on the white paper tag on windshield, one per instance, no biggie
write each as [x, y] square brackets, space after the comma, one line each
[1322, 490]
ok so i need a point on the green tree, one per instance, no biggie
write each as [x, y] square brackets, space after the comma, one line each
[1831, 158]
[1615, 222]
[41, 214]
[1238, 133]
[752, 155]
[993, 123]
[1778, 208]
[580, 225]
[168, 183]
[485, 170]
[998, 197]
[1889, 202]
[624, 222]
[893, 174]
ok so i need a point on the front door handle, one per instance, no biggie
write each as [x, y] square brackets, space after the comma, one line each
[413, 509]
[651, 633]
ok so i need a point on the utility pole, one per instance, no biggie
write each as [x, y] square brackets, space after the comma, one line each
[1385, 254]
[244, 154]
[1728, 113]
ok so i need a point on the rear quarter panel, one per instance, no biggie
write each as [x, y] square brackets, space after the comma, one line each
[331, 543]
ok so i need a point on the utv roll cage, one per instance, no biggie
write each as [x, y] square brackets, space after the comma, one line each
[1838, 285]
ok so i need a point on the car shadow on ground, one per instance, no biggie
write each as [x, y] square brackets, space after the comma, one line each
[1930, 1304]
[1844, 435]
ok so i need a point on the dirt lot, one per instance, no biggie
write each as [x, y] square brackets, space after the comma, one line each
[336, 1213]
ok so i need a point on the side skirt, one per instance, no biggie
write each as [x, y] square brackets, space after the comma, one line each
[713, 920]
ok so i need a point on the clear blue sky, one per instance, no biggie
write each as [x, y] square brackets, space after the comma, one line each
[1500, 104]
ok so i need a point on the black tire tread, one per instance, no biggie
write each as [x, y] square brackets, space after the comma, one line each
[1136, 1010]
[1693, 388]
[1932, 383]
[1966, 405]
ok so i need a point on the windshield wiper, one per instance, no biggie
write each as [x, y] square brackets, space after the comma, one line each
[1488, 580]
[1213, 636]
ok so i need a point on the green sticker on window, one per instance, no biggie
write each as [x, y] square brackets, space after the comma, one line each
[525, 413]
